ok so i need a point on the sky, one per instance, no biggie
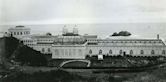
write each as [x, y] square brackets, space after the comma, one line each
[141, 17]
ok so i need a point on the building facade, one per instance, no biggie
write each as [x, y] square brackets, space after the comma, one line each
[71, 45]
[19, 31]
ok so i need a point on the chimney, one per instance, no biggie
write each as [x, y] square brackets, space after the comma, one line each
[158, 36]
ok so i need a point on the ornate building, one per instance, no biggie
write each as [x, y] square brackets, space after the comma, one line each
[19, 31]
[71, 45]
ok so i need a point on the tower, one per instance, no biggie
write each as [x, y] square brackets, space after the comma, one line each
[158, 36]
[65, 30]
[75, 30]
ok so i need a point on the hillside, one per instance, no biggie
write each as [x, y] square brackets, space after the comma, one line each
[13, 52]
[2, 50]
[157, 75]
[7, 47]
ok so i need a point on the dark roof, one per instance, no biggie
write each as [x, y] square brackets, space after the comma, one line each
[70, 34]
[19, 26]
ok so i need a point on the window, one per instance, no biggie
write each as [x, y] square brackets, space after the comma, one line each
[163, 52]
[43, 50]
[49, 50]
[142, 52]
[110, 52]
[14, 33]
[120, 52]
[17, 33]
[90, 51]
[100, 51]
[80, 51]
[57, 52]
[20, 33]
[144, 41]
[152, 52]
[131, 52]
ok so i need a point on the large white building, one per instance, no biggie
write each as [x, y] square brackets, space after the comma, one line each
[19, 31]
[71, 45]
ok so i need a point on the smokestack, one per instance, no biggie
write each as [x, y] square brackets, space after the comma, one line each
[158, 36]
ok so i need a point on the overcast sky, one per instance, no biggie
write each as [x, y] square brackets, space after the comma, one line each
[81, 11]
[97, 14]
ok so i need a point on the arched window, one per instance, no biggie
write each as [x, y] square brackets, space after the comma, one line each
[163, 52]
[43, 50]
[131, 52]
[152, 52]
[100, 51]
[14, 33]
[90, 51]
[120, 52]
[142, 52]
[17, 33]
[57, 52]
[110, 52]
[80, 51]
[49, 50]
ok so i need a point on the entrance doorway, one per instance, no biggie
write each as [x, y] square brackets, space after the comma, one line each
[124, 53]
